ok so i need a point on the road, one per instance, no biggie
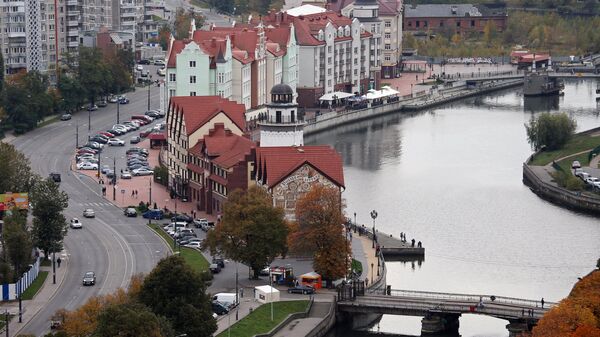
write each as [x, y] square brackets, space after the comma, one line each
[112, 245]
[211, 16]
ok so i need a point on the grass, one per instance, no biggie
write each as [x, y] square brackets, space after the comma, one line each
[48, 121]
[357, 266]
[45, 263]
[577, 144]
[192, 256]
[35, 286]
[3, 320]
[259, 321]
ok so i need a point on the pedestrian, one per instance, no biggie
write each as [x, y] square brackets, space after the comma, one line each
[542, 302]
[242, 292]
[121, 171]
[523, 312]
[132, 193]
[58, 261]
[419, 244]
[136, 194]
[413, 242]
[366, 282]
[350, 236]
[480, 305]
[103, 190]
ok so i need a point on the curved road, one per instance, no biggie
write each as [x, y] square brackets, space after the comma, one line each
[112, 245]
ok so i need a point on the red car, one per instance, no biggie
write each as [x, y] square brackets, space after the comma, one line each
[107, 134]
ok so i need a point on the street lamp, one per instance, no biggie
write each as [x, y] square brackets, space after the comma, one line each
[77, 134]
[150, 194]
[372, 279]
[53, 267]
[355, 222]
[118, 105]
[374, 216]
[149, 85]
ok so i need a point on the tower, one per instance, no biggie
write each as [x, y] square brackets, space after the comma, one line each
[281, 126]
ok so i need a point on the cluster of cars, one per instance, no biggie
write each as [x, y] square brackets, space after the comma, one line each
[160, 71]
[223, 303]
[592, 182]
[137, 162]
[183, 235]
[121, 99]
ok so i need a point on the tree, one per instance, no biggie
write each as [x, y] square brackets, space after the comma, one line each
[550, 130]
[319, 217]
[16, 241]
[93, 73]
[14, 169]
[49, 224]
[182, 24]
[489, 32]
[251, 231]
[175, 291]
[72, 93]
[131, 319]
[1, 71]
[164, 35]
[26, 100]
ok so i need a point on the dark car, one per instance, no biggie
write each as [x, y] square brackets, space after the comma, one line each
[55, 177]
[144, 62]
[130, 212]
[182, 217]
[218, 308]
[301, 289]
[65, 117]
[102, 104]
[100, 140]
[219, 261]
[135, 140]
[124, 101]
[116, 132]
[214, 268]
[155, 214]
[89, 279]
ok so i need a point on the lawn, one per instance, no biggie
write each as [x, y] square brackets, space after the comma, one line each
[192, 256]
[579, 143]
[35, 286]
[259, 321]
[357, 267]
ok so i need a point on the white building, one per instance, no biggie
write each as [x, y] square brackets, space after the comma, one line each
[281, 125]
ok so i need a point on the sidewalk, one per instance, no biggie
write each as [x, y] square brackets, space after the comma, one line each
[39, 301]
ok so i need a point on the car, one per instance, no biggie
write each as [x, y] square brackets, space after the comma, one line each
[102, 104]
[575, 164]
[126, 174]
[65, 117]
[130, 212]
[144, 73]
[89, 279]
[142, 171]
[86, 156]
[135, 140]
[75, 223]
[132, 125]
[189, 240]
[161, 72]
[139, 67]
[94, 145]
[116, 142]
[219, 261]
[199, 223]
[219, 308]
[88, 160]
[593, 181]
[136, 149]
[87, 166]
[156, 214]
[110, 174]
[104, 169]
[113, 99]
[134, 167]
[98, 139]
[107, 134]
[301, 289]
[124, 100]
[582, 175]
[83, 151]
[159, 62]
[92, 107]
[214, 268]
[144, 62]
[115, 132]
[154, 115]
[55, 177]
[89, 213]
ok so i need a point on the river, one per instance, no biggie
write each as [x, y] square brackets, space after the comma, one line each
[451, 177]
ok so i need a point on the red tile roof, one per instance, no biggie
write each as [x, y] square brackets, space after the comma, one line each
[212, 47]
[279, 35]
[273, 164]
[158, 136]
[387, 7]
[175, 49]
[199, 110]
[228, 147]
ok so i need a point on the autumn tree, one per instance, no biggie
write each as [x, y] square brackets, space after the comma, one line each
[319, 217]
[49, 224]
[131, 319]
[14, 169]
[174, 290]
[251, 231]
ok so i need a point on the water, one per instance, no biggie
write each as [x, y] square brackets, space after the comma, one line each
[451, 177]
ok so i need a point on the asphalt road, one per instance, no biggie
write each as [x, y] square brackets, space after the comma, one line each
[211, 16]
[112, 245]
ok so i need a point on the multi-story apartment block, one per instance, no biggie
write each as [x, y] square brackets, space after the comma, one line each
[155, 15]
[131, 16]
[390, 13]
[98, 13]
[334, 52]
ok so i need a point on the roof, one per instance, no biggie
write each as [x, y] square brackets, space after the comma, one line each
[305, 10]
[454, 10]
[198, 110]
[274, 164]
[228, 147]
[214, 47]
[157, 136]
[116, 38]
[387, 7]
[266, 289]
[282, 89]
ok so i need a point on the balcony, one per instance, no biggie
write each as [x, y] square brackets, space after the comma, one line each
[72, 23]
[73, 44]
[72, 2]
[131, 14]
[73, 32]
[283, 120]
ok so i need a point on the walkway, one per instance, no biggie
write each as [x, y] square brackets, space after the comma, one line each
[302, 327]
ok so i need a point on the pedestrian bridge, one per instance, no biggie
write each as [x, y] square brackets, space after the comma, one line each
[441, 310]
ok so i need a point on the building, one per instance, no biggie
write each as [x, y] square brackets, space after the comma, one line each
[98, 13]
[289, 172]
[131, 17]
[334, 52]
[281, 125]
[390, 13]
[459, 18]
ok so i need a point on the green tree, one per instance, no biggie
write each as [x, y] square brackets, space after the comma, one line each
[251, 231]
[164, 35]
[72, 93]
[16, 241]
[26, 100]
[175, 291]
[93, 73]
[182, 24]
[550, 130]
[131, 319]
[14, 169]
[1, 71]
[49, 224]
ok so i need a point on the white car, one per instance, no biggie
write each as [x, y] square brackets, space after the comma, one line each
[75, 223]
[194, 244]
[87, 166]
[593, 181]
[126, 175]
[142, 172]
[116, 142]
[89, 213]
[139, 67]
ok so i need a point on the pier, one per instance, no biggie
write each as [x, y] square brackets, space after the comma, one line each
[391, 246]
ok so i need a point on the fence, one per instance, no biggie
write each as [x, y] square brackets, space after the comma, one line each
[11, 291]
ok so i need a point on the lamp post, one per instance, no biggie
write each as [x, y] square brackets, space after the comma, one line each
[20, 294]
[355, 222]
[237, 292]
[372, 279]
[150, 193]
[271, 300]
[53, 268]
[89, 121]
[374, 216]
[149, 85]
[118, 107]
[77, 133]
[114, 179]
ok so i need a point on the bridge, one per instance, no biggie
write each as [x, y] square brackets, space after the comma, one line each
[440, 311]
[513, 74]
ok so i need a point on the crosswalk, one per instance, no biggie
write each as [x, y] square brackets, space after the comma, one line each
[95, 204]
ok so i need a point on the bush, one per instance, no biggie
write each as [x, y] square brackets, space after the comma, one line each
[551, 131]
[568, 181]
[142, 207]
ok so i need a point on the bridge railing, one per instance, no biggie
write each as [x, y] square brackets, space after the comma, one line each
[474, 298]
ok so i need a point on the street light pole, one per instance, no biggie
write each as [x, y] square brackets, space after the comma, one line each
[118, 109]
[114, 178]
[150, 194]
[77, 133]
[237, 292]
[89, 123]
[20, 293]
[53, 268]
[374, 216]
[149, 85]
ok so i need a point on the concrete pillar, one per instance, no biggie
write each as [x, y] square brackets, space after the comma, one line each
[439, 322]
[516, 327]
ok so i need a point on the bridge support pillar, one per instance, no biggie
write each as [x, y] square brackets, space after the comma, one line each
[516, 327]
[434, 323]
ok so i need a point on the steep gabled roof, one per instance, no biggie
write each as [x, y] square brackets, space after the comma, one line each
[198, 110]
[276, 163]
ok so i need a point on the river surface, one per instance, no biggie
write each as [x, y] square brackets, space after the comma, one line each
[451, 177]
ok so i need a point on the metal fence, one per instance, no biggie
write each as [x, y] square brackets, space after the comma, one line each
[11, 291]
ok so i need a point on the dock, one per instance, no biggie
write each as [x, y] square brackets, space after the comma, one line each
[391, 246]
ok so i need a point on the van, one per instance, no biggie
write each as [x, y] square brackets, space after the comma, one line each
[228, 299]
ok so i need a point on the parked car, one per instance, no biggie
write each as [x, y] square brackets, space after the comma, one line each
[89, 279]
[92, 107]
[575, 164]
[199, 223]
[130, 212]
[105, 168]
[135, 140]
[116, 142]
[144, 62]
[99, 140]
[55, 177]
[139, 67]
[116, 132]
[194, 244]
[65, 117]
[218, 308]
[582, 175]
[124, 100]
[89, 213]
[214, 268]
[182, 217]
[220, 261]
[113, 99]
[593, 181]
[159, 62]
[126, 174]
[87, 166]
[107, 134]
[155, 214]
[301, 289]
[142, 172]
[102, 103]
[76, 224]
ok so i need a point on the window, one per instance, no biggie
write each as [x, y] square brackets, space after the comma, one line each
[417, 23]
[192, 64]
[172, 77]
[388, 35]
[441, 23]
[410, 23]
[355, 50]
[192, 93]
[425, 23]
[388, 46]
[192, 79]
[388, 24]
[457, 23]
[387, 58]
[472, 23]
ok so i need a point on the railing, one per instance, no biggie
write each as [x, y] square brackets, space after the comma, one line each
[281, 120]
[482, 74]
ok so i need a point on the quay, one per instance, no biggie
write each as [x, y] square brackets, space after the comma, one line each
[389, 245]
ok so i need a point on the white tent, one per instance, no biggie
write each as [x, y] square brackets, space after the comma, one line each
[266, 294]
[337, 95]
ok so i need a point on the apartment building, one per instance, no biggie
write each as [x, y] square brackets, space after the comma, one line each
[390, 14]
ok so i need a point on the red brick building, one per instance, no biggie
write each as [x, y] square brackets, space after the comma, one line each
[459, 18]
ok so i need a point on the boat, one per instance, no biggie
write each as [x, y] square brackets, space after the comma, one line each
[539, 83]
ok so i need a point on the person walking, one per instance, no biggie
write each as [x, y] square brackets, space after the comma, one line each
[58, 261]
[542, 302]
[132, 193]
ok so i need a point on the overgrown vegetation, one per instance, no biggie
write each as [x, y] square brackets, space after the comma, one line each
[550, 131]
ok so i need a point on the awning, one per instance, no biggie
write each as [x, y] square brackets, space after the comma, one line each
[337, 94]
